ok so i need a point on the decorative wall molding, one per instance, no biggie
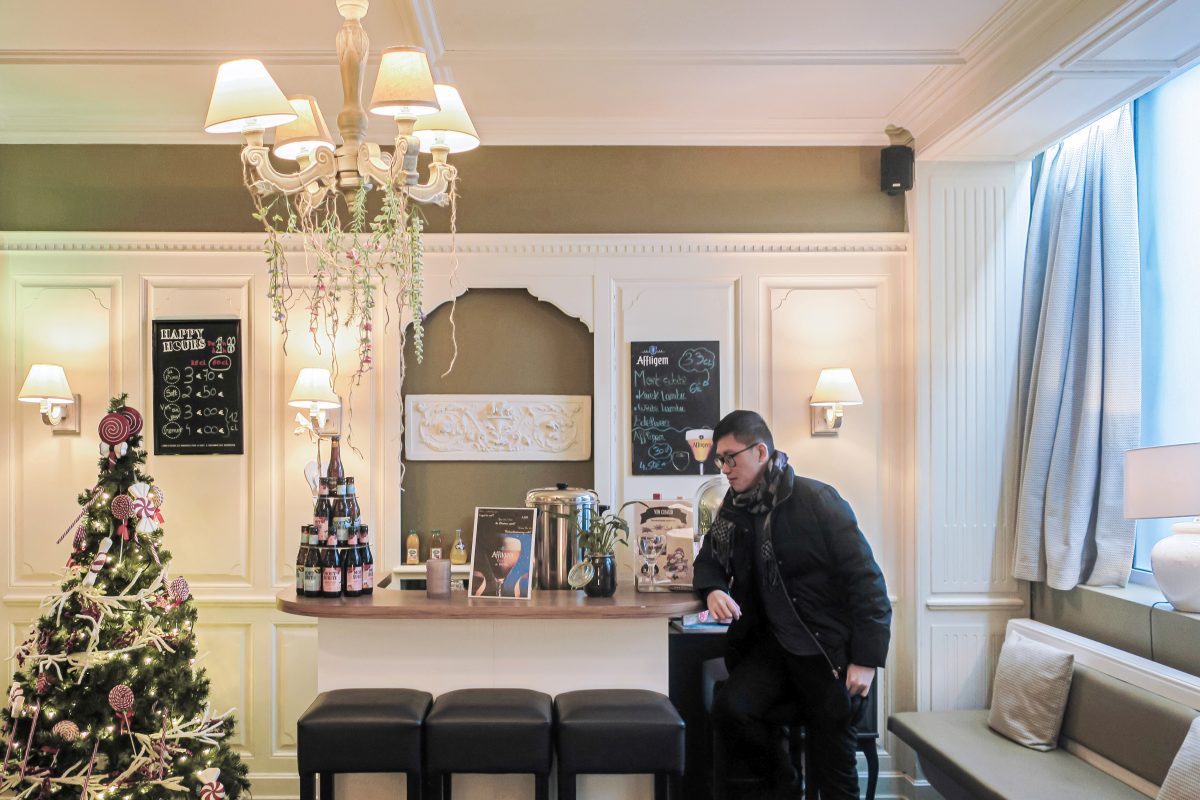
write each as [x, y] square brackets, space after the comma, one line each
[501, 427]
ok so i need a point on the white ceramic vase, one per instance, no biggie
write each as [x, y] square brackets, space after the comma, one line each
[1176, 564]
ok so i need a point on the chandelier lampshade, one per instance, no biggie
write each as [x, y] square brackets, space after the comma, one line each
[245, 97]
[450, 128]
[305, 134]
[404, 87]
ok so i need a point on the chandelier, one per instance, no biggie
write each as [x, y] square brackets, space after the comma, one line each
[349, 258]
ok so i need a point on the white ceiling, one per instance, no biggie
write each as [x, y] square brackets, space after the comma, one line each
[977, 79]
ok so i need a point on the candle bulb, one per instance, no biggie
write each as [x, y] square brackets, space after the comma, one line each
[437, 578]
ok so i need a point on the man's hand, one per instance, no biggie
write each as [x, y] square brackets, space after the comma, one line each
[721, 606]
[858, 680]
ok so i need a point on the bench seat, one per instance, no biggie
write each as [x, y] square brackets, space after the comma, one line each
[964, 759]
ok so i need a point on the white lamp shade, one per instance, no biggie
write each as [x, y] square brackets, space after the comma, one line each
[313, 387]
[1162, 481]
[450, 127]
[245, 97]
[404, 87]
[46, 383]
[306, 133]
[836, 387]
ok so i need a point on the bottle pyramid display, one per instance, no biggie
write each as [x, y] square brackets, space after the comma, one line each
[335, 557]
[107, 701]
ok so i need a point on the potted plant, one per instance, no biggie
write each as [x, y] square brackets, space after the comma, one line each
[597, 573]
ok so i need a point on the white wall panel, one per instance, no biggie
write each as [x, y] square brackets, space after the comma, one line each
[224, 651]
[294, 683]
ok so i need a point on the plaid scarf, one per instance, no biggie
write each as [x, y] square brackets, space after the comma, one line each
[758, 499]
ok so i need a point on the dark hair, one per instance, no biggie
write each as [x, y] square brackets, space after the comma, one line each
[745, 426]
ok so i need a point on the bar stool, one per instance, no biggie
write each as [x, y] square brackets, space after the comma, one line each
[495, 731]
[361, 730]
[619, 732]
[790, 717]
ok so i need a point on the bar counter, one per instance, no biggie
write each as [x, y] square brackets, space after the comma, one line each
[557, 641]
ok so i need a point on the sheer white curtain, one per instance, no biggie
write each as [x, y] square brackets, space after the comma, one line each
[1079, 377]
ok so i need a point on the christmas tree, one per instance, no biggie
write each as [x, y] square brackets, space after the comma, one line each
[107, 701]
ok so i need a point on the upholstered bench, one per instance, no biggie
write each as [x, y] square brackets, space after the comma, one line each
[619, 732]
[491, 731]
[1121, 727]
[361, 730]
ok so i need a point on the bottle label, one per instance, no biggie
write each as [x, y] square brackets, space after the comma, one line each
[299, 579]
[354, 579]
[368, 577]
[412, 556]
[312, 580]
[331, 580]
[321, 525]
[341, 526]
[435, 552]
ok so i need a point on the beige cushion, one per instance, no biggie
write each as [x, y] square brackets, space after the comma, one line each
[1029, 694]
[1183, 779]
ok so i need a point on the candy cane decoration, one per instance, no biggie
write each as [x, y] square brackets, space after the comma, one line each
[99, 561]
[16, 700]
[83, 509]
[37, 711]
[88, 778]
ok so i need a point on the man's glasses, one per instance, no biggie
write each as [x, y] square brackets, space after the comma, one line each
[728, 459]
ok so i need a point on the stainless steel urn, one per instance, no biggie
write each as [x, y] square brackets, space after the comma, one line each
[557, 543]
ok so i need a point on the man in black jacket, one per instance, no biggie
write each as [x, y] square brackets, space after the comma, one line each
[786, 562]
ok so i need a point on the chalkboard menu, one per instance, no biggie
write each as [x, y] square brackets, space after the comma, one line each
[676, 402]
[197, 387]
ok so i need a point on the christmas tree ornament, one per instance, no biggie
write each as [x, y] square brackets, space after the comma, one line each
[16, 702]
[122, 510]
[98, 561]
[211, 788]
[66, 730]
[135, 420]
[37, 712]
[80, 537]
[157, 496]
[114, 430]
[43, 683]
[121, 700]
[180, 590]
[144, 509]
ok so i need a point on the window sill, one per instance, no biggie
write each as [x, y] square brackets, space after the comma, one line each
[1143, 592]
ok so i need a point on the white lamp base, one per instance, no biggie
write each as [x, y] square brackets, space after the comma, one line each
[1176, 564]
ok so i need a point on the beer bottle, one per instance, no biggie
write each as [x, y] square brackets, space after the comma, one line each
[353, 510]
[340, 522]
[312, 566]
[368, 561]
[323, 513]
[458, 553]
[412, 548]
[435, 544]
[301, 555]
[335, 472]
[352, 572]
[331, 568]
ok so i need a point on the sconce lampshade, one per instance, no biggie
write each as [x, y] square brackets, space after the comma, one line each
[246, 97]
[46, 383]
[1162, 481]
[836, 387]
[313, 387]
[306, 133]
[404, 87]
[450, 127]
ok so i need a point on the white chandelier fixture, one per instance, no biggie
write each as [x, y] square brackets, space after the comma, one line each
[348, 256]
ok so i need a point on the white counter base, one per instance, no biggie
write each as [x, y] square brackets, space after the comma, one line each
[548, 655]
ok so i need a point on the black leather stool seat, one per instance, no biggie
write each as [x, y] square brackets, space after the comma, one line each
[619, 731]
[361, 730]
[490, 730]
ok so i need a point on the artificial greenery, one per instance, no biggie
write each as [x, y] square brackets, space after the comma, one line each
[134, 628]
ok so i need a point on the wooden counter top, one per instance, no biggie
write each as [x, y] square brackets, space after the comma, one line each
[567, 604]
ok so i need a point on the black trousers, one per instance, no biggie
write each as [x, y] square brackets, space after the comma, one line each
[767, 677]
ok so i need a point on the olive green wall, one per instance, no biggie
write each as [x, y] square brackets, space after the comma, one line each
[502, 190]
[537, 350]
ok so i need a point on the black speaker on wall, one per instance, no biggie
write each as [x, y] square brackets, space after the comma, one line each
[896, 164]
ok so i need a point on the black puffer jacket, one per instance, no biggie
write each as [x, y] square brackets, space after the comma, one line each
[826, 566]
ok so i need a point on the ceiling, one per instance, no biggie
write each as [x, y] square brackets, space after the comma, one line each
[971, 79]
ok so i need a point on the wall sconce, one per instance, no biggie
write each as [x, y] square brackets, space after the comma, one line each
[46, 385]
[313, 391]
[835, 388]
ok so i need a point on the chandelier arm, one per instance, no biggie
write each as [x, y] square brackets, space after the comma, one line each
[320, 174]
[437, 189]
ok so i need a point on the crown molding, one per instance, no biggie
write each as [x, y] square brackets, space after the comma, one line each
[172, 58]
[523, 245]
[711, 58]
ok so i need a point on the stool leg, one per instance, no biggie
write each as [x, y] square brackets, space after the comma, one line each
[871, 754]
[414, 780]
[566, 785]
[447, 783]
[308, 786]
[326, 786]
[541, 786]
[661, 791]
[675, 785]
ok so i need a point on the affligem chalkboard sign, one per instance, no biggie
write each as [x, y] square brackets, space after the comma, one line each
[676, 402]
[197, 387]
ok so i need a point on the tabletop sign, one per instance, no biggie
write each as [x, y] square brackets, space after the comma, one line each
[676, 402]
[197, 387]
[504, 562]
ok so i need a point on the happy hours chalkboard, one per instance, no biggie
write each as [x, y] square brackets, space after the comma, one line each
[197, 387]
[676, 402]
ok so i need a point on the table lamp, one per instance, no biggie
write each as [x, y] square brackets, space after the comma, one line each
[1164, 482]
